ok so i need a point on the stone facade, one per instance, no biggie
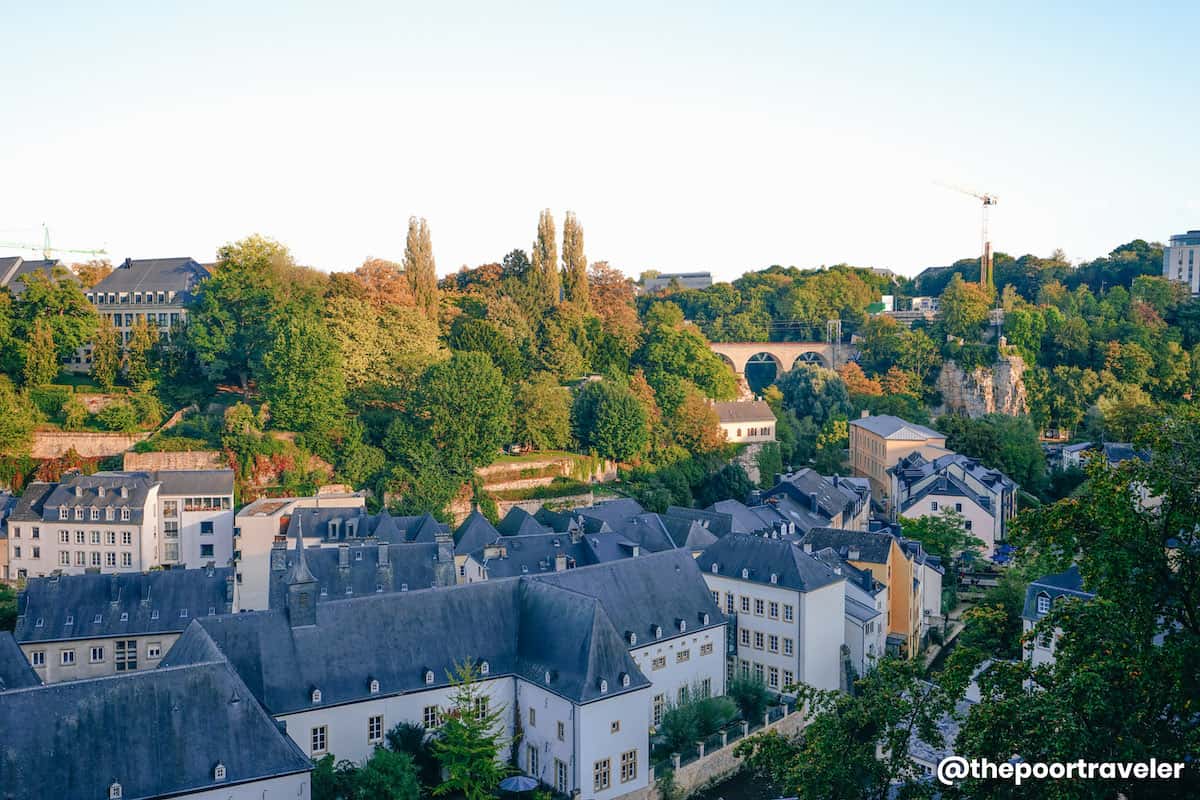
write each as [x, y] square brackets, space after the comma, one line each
[999, 389]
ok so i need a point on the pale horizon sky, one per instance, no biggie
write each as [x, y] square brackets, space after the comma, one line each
[700, 136]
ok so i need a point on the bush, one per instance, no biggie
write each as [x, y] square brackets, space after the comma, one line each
[149, 409]
[74, 414]
[751, 697]
[50, 399]
[684, 725]
[412, 738]
[119, 416]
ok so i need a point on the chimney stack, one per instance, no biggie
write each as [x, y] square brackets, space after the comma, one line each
[343, 557]
[444, 571]
[278, 556]
[560, 562]
[229, 591]
[812, 501]
[383, 555]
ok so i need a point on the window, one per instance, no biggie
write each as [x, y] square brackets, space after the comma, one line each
[958, 507]
[788, 613]
[126, 538]
[79, 537]
[933, 505]
[562, 731]
[38, 658]
[682, 656]
[16, 551]
[320, 740]
[660, 708]
[110, 559]
[614, 726]
[967, 524]
[154, 650]
[759, 605]
[706, 688]
[744, 668]
[170, 551]
[94, 513]
[171, 530]
[745, 605]
[126, 654]
[206, 527]
[531, 759]
[206, 551]
[97, 655]
[681, 695]
[533, 717]
[125, 514]
[64, 537]
[758, 672]
[716, 596]
[789, 678]
[788, 646]
[80, 559]
[560, 776]
[67, 658]
[729, 602]
[773, 677]
[64, 558]
[659, 662]
[758, 640]
[375, 729]
[773, 610]
[170, 509]
[1043, 603]
[126, 559]
[628, 766]
[37, 532]
[78, 512]
[601, 777]
[110, 537]
[95, 559]
[745, 634]
[431, 718]
[481, 708]
[773, 643]
[706, 649]
[37, 552]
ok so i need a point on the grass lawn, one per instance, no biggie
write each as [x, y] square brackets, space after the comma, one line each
[76, 379]
[536, 455]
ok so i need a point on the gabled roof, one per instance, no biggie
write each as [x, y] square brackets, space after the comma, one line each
[1068, 583]
[716, 522]
[101, 490]
[409, 567]
[761, 557]
[14, 270]
[475, 532]
[534, 554]
[179, 275]
[15, 672]
[158, 732]
[743, 411]
[194, 482]
[872, 546]
[749, 519]
[519, 522]
[353, 525]
[895, 428]
[616, 513]
[127, 603]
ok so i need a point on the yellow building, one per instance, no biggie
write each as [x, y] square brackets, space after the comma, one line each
[878, 443]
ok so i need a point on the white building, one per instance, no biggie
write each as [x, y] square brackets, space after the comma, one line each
[1040, 597]
[787, 609]
[866, 612]
[1181, 260]
[196, 509]
[985, 498]
[746, 421]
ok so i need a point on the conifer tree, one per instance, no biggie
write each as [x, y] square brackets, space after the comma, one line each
[41, 356]
[469, 743]
[106, 355]
[575, 277]
[420, 268]
[543, 277]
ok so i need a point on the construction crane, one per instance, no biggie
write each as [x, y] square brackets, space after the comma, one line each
[47, 249]
[985, 262]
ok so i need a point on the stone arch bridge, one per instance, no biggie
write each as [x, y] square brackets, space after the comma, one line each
[784, 355]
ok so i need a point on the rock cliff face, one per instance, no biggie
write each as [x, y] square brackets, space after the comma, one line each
[999, 389]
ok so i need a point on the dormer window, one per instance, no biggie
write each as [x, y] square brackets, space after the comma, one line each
[114, 791]
[704, 618]
[374, 687]
[1043, 603]
[154, 614]
[70, 619]
[316, 695]
[428, 677]
[108, 513]
[124, 616]
[484, 668]
[41, 623]
[125, 514]
[219, 772]
[774, 578]
[632, 638]
[62, 512]
[625, 679]
[715, 568]
[603, 686]
[96, 620]
[682, 625]
[95, 515]
[658, 631]
[78, 512]
[403, 587]
[745, 574]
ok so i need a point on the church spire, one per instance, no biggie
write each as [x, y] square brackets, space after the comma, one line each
[301, 586]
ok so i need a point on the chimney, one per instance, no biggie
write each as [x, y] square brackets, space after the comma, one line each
[854, 554]
[343, 557]
[114, 590]
[812, 502]
[229, 591]
[444, 571]
[560, 562]
[278, 556]
[864, 414]
[383, 555]
[637, 551]
[808, 547]
[124, 491]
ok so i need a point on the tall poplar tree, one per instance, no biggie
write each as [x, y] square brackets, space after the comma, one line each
[420, 268]
[106, 355]
[575, 277]
[543, 277]
[41, 355]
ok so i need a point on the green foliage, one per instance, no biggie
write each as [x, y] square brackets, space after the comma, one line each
[420, 268]
[542, 413]
[8, 607]
[770, 463]
[672, 352]
[476, 335]
[17, 419]
[575, 275]
[695, 720]
[106, 355]
[302, 376]
[413, 739]
[119, 416]
[815, 392]
[469, 743]
[386, 775]
[148, 407]
[543, 277]
[1009, 444]
[139, 364]
[41, 355]
[49, 399]
[943, 535]
[751, 697]
[58, 306]
[74, 414]
[608, 419]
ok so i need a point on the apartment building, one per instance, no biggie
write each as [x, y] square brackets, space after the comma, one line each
[196, 509]
[1181, 260]
[878, 443]
[87, 626]
[985, 498]
[15, 271]
[866, 614]
[786, 608]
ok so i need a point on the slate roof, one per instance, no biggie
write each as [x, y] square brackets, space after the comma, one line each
[938, 478]
[127, 603]
[616, 513]
[748, 519]
[14, 270]
[179, 275]
[895, 428]
[157, 732]
[1116, 452]
[763, 557]
[872, 546]
[743, 411]
[409, 567]
[194, 482]
[859, 577]
[716, 522]
[511, 556]
[1068, 583]
[809, 500]
[475, 532]
[41, 503]
[15, 672]
[519, 522]
[338, 524]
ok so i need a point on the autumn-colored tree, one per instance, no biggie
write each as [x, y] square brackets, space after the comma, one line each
[695, 425]
[857, 381]
[612, 299]
[543, 274]
[385, 283]
[575, 274]
[420, 268]
[897, 381]
[92, 272]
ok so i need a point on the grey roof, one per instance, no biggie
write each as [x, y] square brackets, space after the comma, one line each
[809, 500]
[1068, 583]
[615, 513]
[158, 732]
[15, 672]
[744, 411]
[127, 603]
[194, 482]
[937, 477]
[179, 275]
[14, 270]
[872, 546]
[511, 556]
[475, 532]
[760, 557]
[748, 519]
[948, 727]
[1116, 452]
[718, 523]
[102, 490]
[355, 524]
[859, 577]
[409, 567]
[519, 522]
[890, 427]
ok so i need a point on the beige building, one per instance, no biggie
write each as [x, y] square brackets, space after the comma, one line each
[1181, 260]
[878, 443]
[746, 421]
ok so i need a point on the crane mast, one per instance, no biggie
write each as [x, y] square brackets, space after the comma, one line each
[986, 278]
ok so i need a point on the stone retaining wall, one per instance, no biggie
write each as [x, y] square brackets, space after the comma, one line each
[53, 444]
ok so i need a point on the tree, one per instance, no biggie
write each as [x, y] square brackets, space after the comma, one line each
[543, 272]
[302, 376]
[857, 383]
[606, 417]
[41, 356]
[106, 355]
[74, 413]
[139, 353]
[612, 299]
[673, 351]
[575, 273]
[469, 743]
[59, 304]
[119, 416]
[964, 308]
[385, 283]
[92, 272]
[16, 419]
[8, 607]
[815, 392]
[944, 535]
[918, 355]
[695, 426]
[387, 775]
[1009, 444]
[420, 268]
[543, 413]
[468, 334]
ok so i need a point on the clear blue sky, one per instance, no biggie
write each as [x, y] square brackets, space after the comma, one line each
[685, 136]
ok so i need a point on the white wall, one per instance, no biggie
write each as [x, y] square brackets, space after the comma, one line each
[983, 524]
[288, 787]
[597, 741]
[822, 630]
[675, 674]
[190, 537]
[550, 710]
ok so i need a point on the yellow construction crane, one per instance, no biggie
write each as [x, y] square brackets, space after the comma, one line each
[985, 262]
[47, 249]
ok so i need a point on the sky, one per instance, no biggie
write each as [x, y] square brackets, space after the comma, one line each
[685, 136]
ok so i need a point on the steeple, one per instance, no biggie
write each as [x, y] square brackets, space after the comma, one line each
[301, 586]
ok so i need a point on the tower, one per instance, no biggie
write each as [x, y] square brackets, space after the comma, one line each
[301, 586]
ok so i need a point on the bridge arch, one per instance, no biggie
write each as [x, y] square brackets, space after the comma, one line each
[785, 354]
